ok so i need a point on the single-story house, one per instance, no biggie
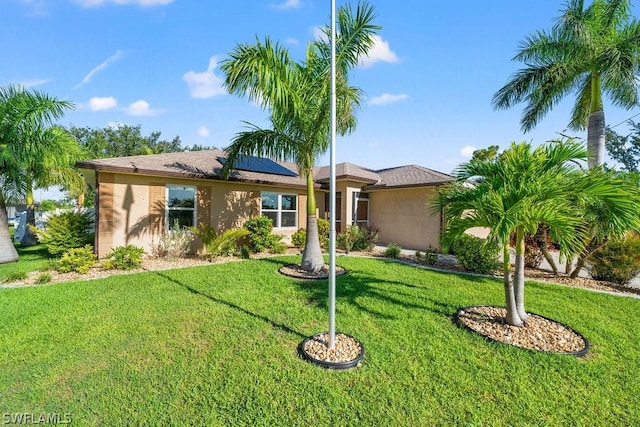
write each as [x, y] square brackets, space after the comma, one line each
[139, 197]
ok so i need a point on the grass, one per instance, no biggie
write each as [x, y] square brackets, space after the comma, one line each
[32, 258]
[216, 345]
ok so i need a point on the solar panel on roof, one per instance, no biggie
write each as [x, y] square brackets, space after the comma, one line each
[257, 164]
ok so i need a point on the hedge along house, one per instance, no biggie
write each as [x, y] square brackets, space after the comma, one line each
[138, 198]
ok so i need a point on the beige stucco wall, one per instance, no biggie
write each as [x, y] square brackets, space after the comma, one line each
[404, 217]
[131, 207]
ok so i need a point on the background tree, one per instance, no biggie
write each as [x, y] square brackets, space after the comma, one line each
[297, 96]
[589, 51]
[489, 153]
[523, 188]
[625, 149]
[28, 140]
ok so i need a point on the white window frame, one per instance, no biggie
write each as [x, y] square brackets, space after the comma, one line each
[169, 226]
[279, 209]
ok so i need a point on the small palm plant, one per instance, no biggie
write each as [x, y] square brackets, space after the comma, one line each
[216, 244]
[524, 187]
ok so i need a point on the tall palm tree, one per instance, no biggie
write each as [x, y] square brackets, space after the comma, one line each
[523, 188]
[297, 95]
[25, 116]
[589, 51]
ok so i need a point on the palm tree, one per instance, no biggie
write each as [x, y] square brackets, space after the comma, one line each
[589, 51]
[26, 137]
[297, 96]
[522, 188]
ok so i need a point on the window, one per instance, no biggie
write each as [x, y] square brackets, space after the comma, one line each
[181, 206]
[281, 208]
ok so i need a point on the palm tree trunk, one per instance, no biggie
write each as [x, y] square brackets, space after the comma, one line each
[519, 274]
[541, 240]
[8, 252]
[29, 238]
[512, 317]
[593, 246]
[312, 259]
[596, 126]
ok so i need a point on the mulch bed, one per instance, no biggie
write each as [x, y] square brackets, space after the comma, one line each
[296, 270]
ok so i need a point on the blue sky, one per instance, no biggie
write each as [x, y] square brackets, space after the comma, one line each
[429, 81]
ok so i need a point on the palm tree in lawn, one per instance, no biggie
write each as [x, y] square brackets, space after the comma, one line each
[525, 187]
[589, 51]
[26, 116]
[297, 95]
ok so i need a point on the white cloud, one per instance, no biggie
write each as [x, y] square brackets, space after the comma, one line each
[467, 151]
[34, 83]
[100, 104]
[288, 4]
[292, 41]
[203, 131]
[100, 67]
[36, 7]
[387, 98]
[141, 108]
[379, 52]
[96, 3]
[205, 84]
[318, 34]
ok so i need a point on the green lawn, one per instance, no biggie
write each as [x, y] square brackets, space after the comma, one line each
[32, 258]
[216, 345]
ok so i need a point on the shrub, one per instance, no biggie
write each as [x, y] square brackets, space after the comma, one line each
[348, 240]
[431, 256]
[16, 276]
[278, 248]
[299, 238]
[618, 261]
[79, 260]
[475, 255]
[175, 243]
[370, 234]
[324, 230]
[215, 245]
[124, 258]
[245, 252]
[65, 231]
[392, 251]
[43, 278]
[260, 237]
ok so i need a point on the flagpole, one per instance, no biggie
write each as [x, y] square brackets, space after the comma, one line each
[332, 187]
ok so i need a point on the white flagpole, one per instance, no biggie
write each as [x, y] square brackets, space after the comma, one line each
[332, 187]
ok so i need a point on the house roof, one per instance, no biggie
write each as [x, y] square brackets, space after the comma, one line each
[205, 165]
[190, 164]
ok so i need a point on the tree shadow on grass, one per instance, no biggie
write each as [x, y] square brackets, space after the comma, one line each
[356, 285]
[195, 291]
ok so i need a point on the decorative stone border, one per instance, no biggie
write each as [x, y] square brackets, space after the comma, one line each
[296, 271]
[348, 352]
[492, 338]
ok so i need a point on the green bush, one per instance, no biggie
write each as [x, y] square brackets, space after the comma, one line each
[16, 276]
[124, 258]
[474, 255]
[324, 230]
[430, 256]
[43, 278]
[369, 238]
[245, 252]
[79, 260]
[392, 251]
[617, 262]
[278, 248]
[260, 237]
[299, 238]
[65, 231]
[225, 244]
[175, 243]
